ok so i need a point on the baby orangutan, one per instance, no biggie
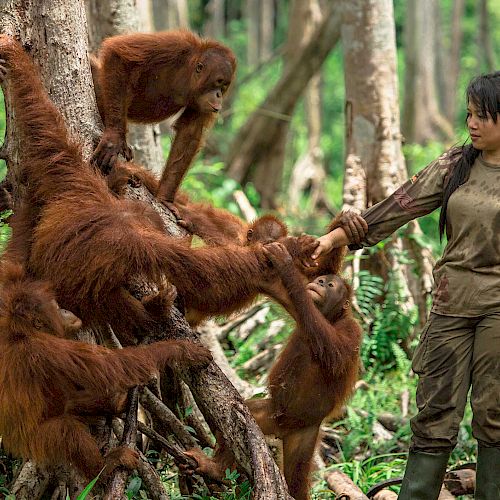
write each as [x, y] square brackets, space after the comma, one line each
[312, 378]
[49, 384]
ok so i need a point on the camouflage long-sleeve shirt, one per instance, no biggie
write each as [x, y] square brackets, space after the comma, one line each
[467, 277]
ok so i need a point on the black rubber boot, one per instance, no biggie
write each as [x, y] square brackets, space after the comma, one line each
[487, 474]
[424, 476]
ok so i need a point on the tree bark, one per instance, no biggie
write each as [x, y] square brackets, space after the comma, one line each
[252, 150]
[451, 67]
[60, 50]
[214, 25]
[170, 14]
[252, 15]
[266, 29]
[309, 170]
[422, 120]
[374, 161]
[113, 17]
[486, 54]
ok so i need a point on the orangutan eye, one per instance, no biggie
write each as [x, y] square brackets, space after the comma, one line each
[330, 284]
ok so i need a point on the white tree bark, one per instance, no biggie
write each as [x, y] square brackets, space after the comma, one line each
[374, 162]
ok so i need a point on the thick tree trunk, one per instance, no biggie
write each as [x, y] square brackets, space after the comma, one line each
[144, 9]
[170, 14]
[61, 52]
[266, 30]
[214, 25]
[375, 164]
[268, 174]
[451, 68]
[309, 170]
[252, 15]
[422, 120]
[112, 17]
[256, 146]
[66, 72]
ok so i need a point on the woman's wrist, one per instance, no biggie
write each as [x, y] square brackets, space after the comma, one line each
[334, 239]
[338, 238]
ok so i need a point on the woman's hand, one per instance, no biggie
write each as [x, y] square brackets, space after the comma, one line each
[353, 224]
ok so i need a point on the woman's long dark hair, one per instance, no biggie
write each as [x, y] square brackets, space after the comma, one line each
[484, 92]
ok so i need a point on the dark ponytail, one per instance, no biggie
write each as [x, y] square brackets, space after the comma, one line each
[484, 92]
[459, 173]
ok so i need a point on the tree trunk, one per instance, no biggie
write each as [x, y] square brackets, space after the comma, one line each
[144, 9]
[34, 23]
[182, 13]
[59, 61]
[256, 146]
[375, 164]
[266, 30]
[214, 25]
[309, 170]
[451, 67]
[112, 17]
[268, 174]
[422, 120]
[170, 14]
[66, 72]
[252, 15]
[486, 55]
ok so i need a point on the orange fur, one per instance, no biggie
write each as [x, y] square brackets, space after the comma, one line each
[311, 379]
[149, 77]
[48, 383]
[74, 232]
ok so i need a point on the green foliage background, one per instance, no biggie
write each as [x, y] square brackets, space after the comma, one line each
[386, 364]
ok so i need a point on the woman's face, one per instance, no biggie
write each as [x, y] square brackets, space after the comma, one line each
[483, 131]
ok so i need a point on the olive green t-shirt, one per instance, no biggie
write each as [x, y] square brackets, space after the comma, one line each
[467, 277]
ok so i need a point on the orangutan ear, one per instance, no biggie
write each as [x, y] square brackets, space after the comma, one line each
[249, 235]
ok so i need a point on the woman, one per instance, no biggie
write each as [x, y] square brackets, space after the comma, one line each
[460, 344]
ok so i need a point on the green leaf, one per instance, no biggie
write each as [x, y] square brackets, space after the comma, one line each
[133, 487]
[88, 488]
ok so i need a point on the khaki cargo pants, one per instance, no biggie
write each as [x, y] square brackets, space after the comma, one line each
[454, 355]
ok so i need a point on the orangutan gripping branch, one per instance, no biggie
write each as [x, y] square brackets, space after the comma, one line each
[48, 384]
[90, 244]
[312, 378]
[147, 78]
[215, 226]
